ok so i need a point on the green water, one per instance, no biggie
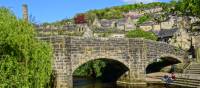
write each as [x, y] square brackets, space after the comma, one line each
[88, 83]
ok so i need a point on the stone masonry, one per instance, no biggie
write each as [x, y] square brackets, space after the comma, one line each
[136, 54]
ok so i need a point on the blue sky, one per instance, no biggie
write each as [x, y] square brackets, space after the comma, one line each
[54, 10]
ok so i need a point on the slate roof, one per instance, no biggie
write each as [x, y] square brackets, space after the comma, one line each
[121, 22]
[167, 32]
[106, 23]
[153, 31]
[133, 14]
[148, 23]
[104, 30]
[69, 27]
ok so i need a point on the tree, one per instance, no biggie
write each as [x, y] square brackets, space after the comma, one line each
[90, 17]
[91, 69]
[143, 19]
[161, 18]
[141, 34]
[25, 61]
[188, 7]
[80, 19]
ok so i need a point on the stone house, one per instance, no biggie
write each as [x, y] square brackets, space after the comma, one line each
[147, 26]
[103, 23]
[117, 35]
[165, 35]
[124, 24]
[171, 23]
[96, 22]
[107, 23]
[181, 39]
[153, 10]
[133, 15]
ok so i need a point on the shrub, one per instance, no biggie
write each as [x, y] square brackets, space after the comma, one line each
[141, 34]
[25, 62]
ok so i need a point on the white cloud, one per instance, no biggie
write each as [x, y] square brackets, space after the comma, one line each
[138, 1]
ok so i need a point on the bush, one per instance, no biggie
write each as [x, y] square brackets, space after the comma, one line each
[25, 62]
[141, 34]
[87, 69]
[143, 19]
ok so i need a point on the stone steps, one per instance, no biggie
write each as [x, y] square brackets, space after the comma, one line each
[193, 69]
[191, 81]
[187, 82]
[181, 81]
[185, 85]
[191, 77]
[194, 65]
[193, 72]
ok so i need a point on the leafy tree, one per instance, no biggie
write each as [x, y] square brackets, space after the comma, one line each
[116, 12]
[91, 68]
[90, 17]
[161, 18]
[113, 14]
[80, 18]
[25, 62]
[141, 34]
[188, 7]
[143, 19]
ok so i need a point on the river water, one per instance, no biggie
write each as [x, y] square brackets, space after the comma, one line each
[88, 83]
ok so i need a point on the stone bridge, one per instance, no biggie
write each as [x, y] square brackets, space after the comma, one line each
[135, 54]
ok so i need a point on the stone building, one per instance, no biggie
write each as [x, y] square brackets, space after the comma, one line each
[147, 26]
[70, 29]
[170, 23]
[153, 10]
[125, 24]
[117, 35]
[25, 12]
[181, 39]
[133, 15]
[165, 35]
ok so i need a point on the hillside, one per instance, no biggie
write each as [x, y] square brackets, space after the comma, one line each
[116, 12]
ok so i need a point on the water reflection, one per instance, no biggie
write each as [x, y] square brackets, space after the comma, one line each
[88, 83]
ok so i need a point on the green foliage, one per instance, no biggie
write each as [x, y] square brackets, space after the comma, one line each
[188, 7]
[25, 62]
[141, 34]
[90, 17]
[117, 12]
[143, 19]
[87, 69]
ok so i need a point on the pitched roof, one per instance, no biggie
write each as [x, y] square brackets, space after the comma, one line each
[167, 32]
[149, 23]
[121, 22]
[106, 23]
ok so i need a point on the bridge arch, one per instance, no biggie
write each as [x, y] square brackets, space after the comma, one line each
[112, 70]
[77, 65]
[164, 56]
[155, 65]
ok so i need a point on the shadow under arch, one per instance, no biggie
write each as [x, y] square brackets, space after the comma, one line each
[112, 71]
[158, 64]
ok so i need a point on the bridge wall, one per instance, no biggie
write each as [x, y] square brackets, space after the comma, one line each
[136, 54]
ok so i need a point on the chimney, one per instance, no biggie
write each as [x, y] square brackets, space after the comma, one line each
[25, 12]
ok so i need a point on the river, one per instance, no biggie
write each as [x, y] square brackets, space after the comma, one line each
[88, 83]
